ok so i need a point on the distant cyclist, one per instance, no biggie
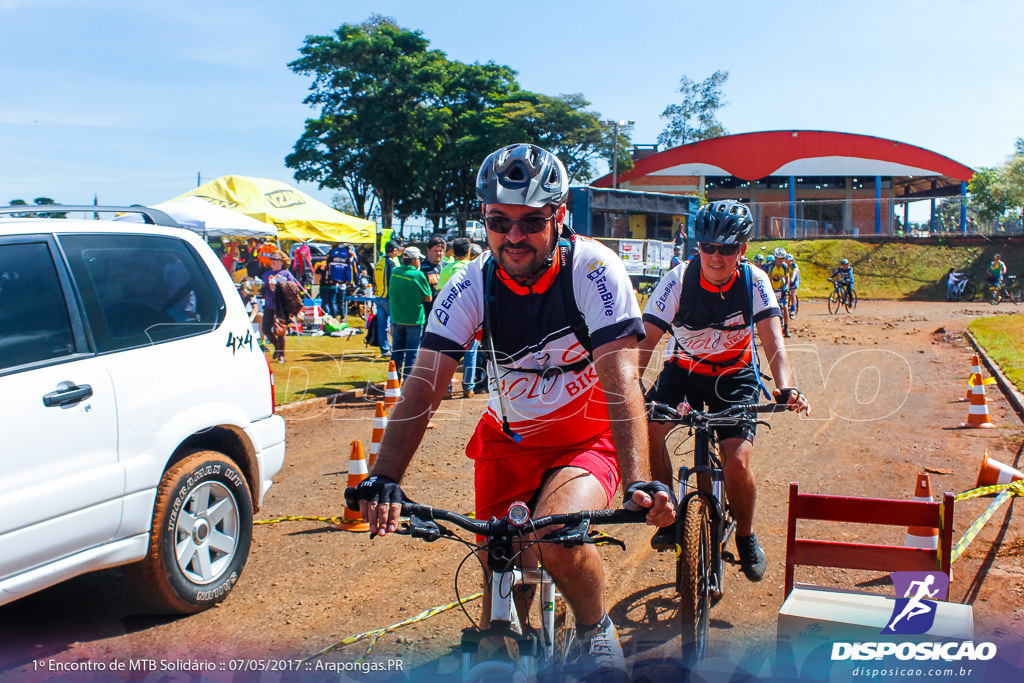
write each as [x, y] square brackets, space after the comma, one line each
[996, 271]
[843, 276]
[794, 282]
[759, 261]
[778, 273]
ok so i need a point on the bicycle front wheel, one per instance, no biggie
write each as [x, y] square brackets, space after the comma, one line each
[994, 296]
[970, 291]
[693, 580]
[833, 302]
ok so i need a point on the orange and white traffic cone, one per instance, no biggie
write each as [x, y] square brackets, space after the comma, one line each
[380, 423]
[976, 377]
[994, 472]
[357, 472]
[977, 411]
[392, 390]
[922, 536]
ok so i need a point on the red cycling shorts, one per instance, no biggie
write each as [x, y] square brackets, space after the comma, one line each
[505, 472]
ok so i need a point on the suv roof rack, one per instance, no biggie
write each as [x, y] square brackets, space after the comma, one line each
[150, 216]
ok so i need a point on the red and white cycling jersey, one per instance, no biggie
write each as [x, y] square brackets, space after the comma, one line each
[716, 340]
[546, 402]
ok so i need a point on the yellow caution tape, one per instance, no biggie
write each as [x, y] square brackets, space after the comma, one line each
[1006, 491]
[376, 634]
[275, 520]
[986, 380]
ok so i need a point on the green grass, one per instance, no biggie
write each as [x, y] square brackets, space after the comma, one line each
[321, 366]
[1001, 337]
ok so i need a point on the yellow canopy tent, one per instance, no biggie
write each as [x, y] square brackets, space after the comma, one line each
[296, 215]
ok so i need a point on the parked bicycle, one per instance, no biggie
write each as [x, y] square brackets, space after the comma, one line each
[959, 287]
[1007, 288]
[842, 295]
[704, 523]
[511, 648]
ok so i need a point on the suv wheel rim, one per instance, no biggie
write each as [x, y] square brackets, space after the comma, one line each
[206, 533]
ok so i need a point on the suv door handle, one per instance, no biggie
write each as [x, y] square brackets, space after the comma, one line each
[68, 396]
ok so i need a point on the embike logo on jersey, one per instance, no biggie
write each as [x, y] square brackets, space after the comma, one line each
[442, 307]
[662, 300]
[596, 275]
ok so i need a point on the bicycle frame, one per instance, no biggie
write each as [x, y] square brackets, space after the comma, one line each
[503, 537]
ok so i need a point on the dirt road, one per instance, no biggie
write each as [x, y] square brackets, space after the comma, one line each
[883, 382]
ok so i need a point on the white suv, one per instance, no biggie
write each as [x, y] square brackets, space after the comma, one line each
[138, 409]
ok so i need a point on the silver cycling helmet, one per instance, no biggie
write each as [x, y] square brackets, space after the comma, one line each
[780, 252]
[522, 174]
[844, 262]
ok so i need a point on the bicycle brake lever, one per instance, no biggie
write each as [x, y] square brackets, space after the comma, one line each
[570, 537]
[427, 529]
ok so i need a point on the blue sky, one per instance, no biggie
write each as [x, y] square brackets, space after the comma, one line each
[133, 100]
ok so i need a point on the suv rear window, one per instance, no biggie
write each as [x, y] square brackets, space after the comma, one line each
[34, 323]
[140, 289]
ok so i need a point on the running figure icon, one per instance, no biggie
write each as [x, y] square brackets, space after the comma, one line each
[916, 605]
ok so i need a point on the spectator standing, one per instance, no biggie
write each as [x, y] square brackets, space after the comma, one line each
[461, 248]
[431, 267]
[408, 292]
[343, 269]
[382, 271]
[276, 274]
[302, 264]
[328, 293]
[677, 257]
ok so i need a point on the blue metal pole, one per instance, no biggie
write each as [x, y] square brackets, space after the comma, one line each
[792, 205]
[963, 207]
[878, 205]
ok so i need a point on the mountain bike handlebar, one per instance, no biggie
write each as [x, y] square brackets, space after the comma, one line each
[734, 415]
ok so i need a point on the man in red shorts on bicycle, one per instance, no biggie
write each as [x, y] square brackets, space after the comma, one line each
[564, 426]
[711, 313]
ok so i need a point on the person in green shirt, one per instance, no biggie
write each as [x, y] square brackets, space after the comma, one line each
[461, 252]
[408, 289]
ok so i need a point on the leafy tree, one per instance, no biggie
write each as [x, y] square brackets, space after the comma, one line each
[694, 119]
[378, 88]
[995, 191]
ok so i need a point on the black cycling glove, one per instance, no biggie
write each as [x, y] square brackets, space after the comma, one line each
[648, 487]
[379, 489]
[786, 393]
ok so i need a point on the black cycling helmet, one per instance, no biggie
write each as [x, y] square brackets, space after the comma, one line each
[723, 222]
[522, 174]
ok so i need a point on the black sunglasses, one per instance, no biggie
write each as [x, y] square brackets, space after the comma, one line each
[530, 225]
[723, 249]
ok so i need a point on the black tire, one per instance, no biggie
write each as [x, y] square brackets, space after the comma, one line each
[1015, 295]
[833, 302]
[205, 497]
[970, 291]
[693, 580]
[851, 301]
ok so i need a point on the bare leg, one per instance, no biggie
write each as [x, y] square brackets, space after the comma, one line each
[578, 572]
[740, 484]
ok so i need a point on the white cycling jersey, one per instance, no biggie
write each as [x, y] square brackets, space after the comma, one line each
[716, 340]
[534, 343]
